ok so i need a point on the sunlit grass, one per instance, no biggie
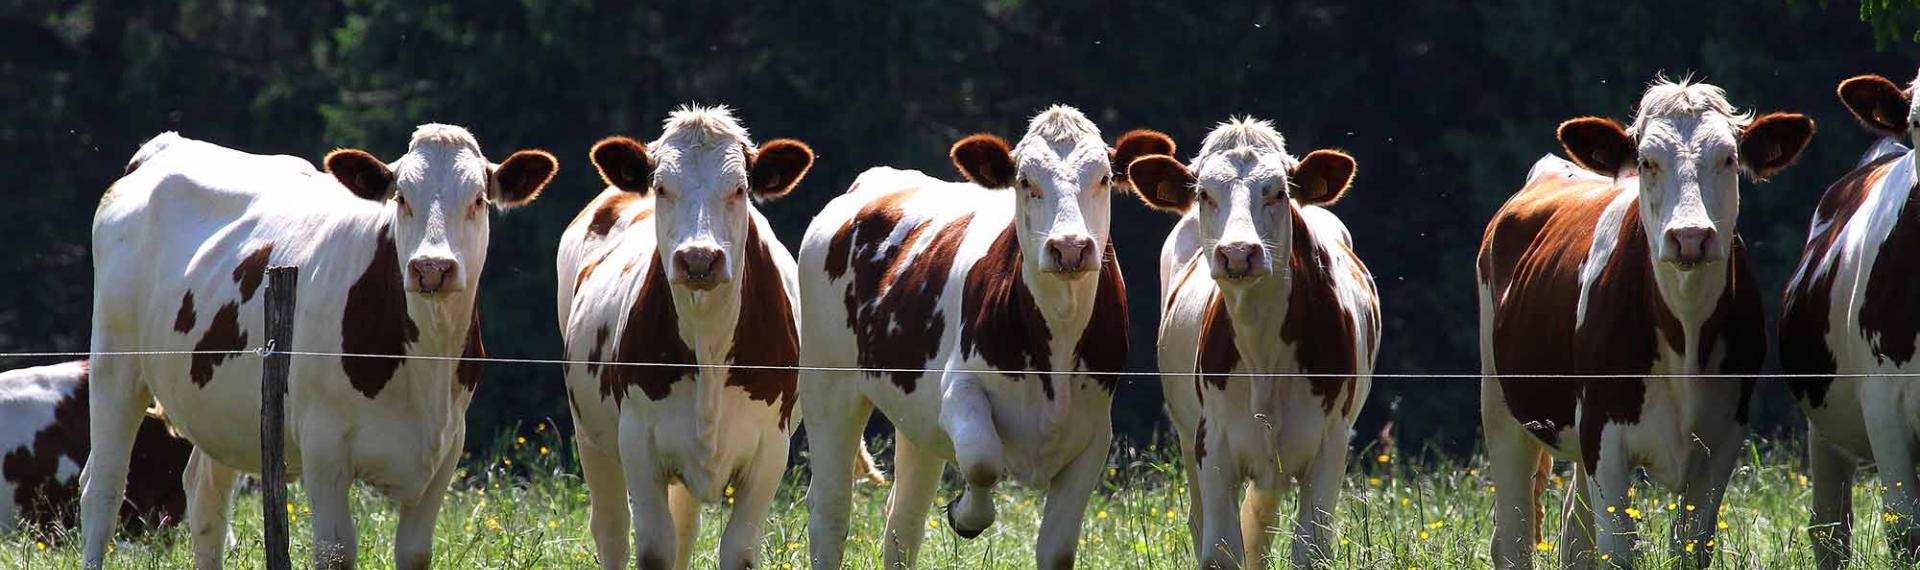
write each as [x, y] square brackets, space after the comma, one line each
[527, 508]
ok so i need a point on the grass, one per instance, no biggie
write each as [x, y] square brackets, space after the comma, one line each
[527, 508]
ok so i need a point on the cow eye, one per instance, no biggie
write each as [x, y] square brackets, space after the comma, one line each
[401, 200]
[1648, 165]
[740, 191]
[1106, 180]
[1205, 198]
[1728, 162]
[1032, 191]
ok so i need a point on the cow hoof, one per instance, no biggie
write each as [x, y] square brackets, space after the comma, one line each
[959, 529]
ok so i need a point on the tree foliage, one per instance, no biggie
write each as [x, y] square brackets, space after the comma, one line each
[1445, 105]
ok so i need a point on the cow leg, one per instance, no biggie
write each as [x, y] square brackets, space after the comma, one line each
[209, 488]
[607, 502]
[752, 499]
[916, 481]
[1220, 481]
[1576, 523]
[1891, 437]
[686, 522]
[967, 417]
[413, 534]
[1513, 459]
[1607, 483]
[117, 400]
[1259, 513]
[653, 523]
[1066, 508]
[1831, 528]
[835, 415]
[1190, 468]
[328, 480]
[1313, 533]
[1706, 487]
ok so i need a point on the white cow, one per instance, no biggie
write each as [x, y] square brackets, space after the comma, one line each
[390, 259]
[43, 443]
[673, 263]
[1264, 280]
[1011, 273]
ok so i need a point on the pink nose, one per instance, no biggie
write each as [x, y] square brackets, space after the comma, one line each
[1690, 245]
[1238, 260]
[1071, 254]
[431, 274]
[699, 266]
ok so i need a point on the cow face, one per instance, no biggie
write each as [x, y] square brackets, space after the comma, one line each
[1882, 107]
[703, 173]
[1062, 175]
[437, 195]
[1688, 146]
[1241, 191]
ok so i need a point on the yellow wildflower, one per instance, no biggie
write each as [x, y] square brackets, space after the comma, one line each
[1373, 481]
[1544, 546]
[1383, 458]
[1633, 513]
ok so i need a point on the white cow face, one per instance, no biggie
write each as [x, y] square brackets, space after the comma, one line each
[1243, 196]
[1688, 147]
[438, 195]
[1883, 107]
[1062, 175]
[704, 175]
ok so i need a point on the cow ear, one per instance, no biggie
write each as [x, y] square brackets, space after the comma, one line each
[777, 167]
[1322, 177]
[623, 163]
[1162, 182]
[1877, 103]
[1772, 141]
[1598, 144]
[985, 160]
[521, 177]
[362, 174]
[1135, 144]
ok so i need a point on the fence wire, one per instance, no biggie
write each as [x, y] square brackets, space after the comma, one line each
[264, 351]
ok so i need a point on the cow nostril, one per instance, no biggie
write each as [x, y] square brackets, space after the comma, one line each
[1690, 245]
[697, 263]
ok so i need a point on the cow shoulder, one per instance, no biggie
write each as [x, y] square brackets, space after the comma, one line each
[1320, 324]
[375, 320]
[765, 334]
[1806, 312]
[1889, 311]
[1001, 323]
[651, 334]
[897, 262]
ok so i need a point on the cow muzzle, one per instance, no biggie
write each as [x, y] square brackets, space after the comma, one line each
[1690, 246]
[1239, 261]
[430, 275]
[700, 267]
[1070, 255]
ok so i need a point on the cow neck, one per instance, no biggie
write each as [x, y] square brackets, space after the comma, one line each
[1066, 304]
[1688, 297]
[443, 320]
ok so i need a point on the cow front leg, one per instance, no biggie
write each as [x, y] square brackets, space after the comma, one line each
[1890, 434]
[606, 501]
[1313, 532]
[686, 523]
[967, 417]
[1576, 523]
[653, 524]
[1066, 504]
[1831, 528]
[752, 499]
[1694, 530]
[1259, 514]
[1191, 478]
[209, 488]
[117, 400]
[835, 415]
[413, 534]
[1513, 460]
[328, 480]
[1613, 524]
[1221, 547]
[916, 481]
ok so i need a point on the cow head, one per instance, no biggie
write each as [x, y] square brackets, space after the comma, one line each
[1242, 190]
[1882, 106]
[438, 195]
[1687, 146]
[1061, 174]
[704, 174]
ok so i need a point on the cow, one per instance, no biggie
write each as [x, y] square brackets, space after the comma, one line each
[43, 444]
[1007, 286]
[1847, 318]
[1263, 280]
[390, 256]
[672, 263]
[1624, 266]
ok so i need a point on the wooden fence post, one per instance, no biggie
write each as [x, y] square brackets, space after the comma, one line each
[282, 287]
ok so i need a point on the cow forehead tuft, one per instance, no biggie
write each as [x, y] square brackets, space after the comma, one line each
[1666, 100]
[1061, 123]
[437, 134]
[696, 126]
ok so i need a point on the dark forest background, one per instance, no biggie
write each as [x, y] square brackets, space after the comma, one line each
[1444, 104]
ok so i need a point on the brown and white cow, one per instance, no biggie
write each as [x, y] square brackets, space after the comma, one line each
[43, 444]
[1630, 267]
[1263, 280]
[1009, 274]
[390, 256]
[1851, 312]
[673, 264]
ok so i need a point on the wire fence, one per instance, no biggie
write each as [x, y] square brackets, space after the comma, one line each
[264, 351]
